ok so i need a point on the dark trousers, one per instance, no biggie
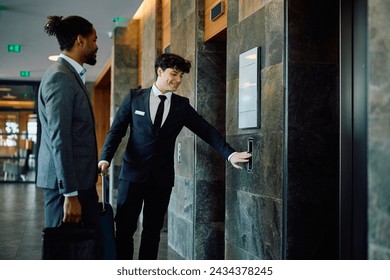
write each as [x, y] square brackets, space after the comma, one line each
[90, 211]
[131, 197]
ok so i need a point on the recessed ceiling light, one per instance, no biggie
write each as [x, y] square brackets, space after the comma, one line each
[53, 57]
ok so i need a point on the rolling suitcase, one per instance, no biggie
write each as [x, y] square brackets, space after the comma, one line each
[107, 222]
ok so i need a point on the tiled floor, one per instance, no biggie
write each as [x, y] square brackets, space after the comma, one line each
[21, 223]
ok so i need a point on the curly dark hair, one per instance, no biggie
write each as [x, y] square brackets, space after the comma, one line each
[67, 29]
[174, 61]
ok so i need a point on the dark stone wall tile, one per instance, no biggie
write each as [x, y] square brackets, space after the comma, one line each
[232, 107]
[232, 15]
[185, 168]
[211, 237]
[253, 223]
[248, 34]
[256, 235]
[379, 130]
[209, 219]
[266, 178]
[124, 74]
[274, 33]
[210, 202]
[182, 201]
[177, 229]
[151, 39]
[205, 87]
[181, 212]
[272, 99]
[210, 165]
[233, 252]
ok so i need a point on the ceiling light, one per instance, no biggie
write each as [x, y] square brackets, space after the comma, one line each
[9, 96]
[54, 57]
[5, 89]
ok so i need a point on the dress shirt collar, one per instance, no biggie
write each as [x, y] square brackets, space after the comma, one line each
[156, 92]
[79, 69]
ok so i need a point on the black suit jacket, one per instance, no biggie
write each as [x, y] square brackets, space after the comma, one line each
[149, 150]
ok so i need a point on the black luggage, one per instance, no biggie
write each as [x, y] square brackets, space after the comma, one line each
[107, 222]
[69, 241]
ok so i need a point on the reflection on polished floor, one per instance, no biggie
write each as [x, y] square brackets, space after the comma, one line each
[21, 223]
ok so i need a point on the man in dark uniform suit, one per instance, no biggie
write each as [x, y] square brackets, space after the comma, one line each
[147, 174]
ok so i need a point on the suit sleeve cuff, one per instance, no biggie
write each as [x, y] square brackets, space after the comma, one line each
[105, 161]
[75, 193]
[231, 156]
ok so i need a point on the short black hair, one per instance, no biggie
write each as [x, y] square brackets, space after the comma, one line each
[174, 61]
[67, 29]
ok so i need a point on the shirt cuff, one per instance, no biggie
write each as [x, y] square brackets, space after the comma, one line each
[105, 161]
[75, 193]
[231, 156]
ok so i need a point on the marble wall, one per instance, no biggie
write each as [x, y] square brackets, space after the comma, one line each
[253, 217]
[379, 129]
[181, 209]
[124, 73]
[150, 46]
[197, 203]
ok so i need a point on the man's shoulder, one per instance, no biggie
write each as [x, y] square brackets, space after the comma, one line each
[139, 92]
[57, 73]
[180, 99]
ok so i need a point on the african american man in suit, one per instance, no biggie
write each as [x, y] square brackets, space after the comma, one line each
[67, 153]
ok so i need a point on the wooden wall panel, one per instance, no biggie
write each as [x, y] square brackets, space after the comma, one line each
[101, 105]
[166, 24]
[213, 28]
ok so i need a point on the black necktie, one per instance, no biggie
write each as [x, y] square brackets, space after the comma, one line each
[159, 114]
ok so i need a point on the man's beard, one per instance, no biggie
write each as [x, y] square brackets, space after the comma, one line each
[91, 58]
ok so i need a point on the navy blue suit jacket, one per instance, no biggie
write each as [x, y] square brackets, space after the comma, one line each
[149, 150]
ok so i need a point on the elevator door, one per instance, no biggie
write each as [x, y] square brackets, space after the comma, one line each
[353, 130]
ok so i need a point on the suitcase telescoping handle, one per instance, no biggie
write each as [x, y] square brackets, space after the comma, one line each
[103, 190]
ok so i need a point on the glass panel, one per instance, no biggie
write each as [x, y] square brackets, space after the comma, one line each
[18, 137]
[18, 130]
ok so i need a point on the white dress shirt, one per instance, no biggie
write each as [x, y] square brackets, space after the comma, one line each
[79, 69]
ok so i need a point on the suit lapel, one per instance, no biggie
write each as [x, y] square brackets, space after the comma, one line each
[146, 103]
[77, 76]
[171, 109]
[79, 81]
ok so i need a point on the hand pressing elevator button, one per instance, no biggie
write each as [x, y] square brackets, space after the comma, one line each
[249, 166]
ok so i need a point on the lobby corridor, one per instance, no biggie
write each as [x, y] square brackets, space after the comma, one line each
[21, 224]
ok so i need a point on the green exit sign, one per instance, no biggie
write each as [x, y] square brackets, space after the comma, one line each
[24, 73]
[14, 48]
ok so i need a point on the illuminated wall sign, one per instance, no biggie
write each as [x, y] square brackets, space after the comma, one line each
[24, 73]
[120, 21]
[14, 48]
[249, 89]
